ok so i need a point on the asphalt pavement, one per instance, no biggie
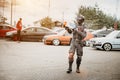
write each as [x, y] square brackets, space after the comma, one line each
[36, 61]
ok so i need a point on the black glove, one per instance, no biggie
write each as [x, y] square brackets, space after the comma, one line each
[68, 29]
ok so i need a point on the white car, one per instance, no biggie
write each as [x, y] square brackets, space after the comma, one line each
[111, 41]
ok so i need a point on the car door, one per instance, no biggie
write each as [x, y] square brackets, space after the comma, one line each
[4, 29]
[66, 38]
[41, 32]
[28, 34]
[117, 41]
[1, 31]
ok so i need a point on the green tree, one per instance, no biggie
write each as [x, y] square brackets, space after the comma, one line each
[47, 22]
[3, 4]
[2, 19]
[118, 24]
[95, 18]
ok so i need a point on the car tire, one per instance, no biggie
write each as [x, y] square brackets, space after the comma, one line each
[107, 46]
[56, 42]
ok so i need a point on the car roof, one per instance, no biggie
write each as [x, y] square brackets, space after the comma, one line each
[39, 27]
[100, 30]
[5, 25]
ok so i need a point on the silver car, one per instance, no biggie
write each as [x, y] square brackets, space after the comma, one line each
[111, 41]
[33, 34]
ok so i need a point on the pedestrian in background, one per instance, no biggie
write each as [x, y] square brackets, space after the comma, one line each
[19, 28]
[77, 43]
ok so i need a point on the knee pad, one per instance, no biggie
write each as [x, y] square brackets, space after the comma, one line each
[71, 58]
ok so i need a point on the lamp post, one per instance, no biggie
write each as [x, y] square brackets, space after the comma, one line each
[63, 14]
[11, 11]
[3, 6]
[49, 8]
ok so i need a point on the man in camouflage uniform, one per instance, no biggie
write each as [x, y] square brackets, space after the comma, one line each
[77, 43]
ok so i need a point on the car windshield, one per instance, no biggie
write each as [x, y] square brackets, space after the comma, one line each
[61, 33]
[56, 29]
[112, 34]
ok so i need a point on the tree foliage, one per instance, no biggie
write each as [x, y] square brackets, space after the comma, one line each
[2, 19]
[95, 18]
[47, 22]
[118, 24]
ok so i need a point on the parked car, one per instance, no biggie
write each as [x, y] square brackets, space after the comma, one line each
[63, 38]
[101, 32]
[87, 38]
[9, 34]
[33, 34]
[58, 29]
[111, 41]
[4, 28]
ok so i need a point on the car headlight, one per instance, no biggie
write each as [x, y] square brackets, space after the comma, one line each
[43, 39]
[8, 34]
[92, 41]
[95, 42]
[98, 42]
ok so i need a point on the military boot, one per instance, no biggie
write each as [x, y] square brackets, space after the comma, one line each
[77, 70]
[78, 62]
[70, 67]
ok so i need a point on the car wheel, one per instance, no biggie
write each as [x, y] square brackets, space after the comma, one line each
[107, 46]
[56, 42]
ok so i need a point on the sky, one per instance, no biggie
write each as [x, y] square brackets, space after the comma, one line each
[33, 10]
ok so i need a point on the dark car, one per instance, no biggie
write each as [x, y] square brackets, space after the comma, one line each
[33, 34]
[4, 28]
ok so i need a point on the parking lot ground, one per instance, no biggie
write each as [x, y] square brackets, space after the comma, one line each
[36, 61]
